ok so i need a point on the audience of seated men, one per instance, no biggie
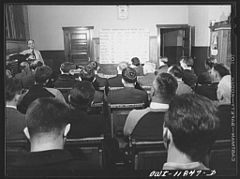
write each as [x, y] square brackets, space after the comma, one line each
[117, 80]
[83, 124]
[26, 76]
[145, 124]
[163, 65]
[149, 74]
[42, 76]
[129, 94]
[189, 131]
[217, 72]
[137, 66]
[189, 76]
[65, 79]
[177, 72]
[14, 120]
[224, 107]
[47, 128]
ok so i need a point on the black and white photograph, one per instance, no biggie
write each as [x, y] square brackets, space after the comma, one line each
[120, 89]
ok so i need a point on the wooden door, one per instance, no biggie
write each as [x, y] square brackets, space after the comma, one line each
[174, 41]
[78, 44]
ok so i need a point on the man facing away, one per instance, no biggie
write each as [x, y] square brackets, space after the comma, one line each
[144, 123]
[65, 79]
[47, 128]
[189, 76]
[39, 89]
[149, 76]
[189, 131]
[14, 120]
[129, 94]
[83, 124]
[26, 75]
[117, 80]
[177, 72]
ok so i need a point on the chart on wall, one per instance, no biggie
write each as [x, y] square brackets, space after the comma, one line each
[117, 45]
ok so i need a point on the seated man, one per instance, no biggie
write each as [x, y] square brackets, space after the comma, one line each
[26, 75]
[65, 79]
[129, 94]
[224, 107]
[144, 124]
[189, 76]
[82, 123]
[98, 82]
[47, 128]
[209, 62]
[149, 76]
[38, 90]
[117, 80]
[189, 131]
[14, 120]
[34, 54]
[137, 66]
[88, 75]
[163, 65]
[177, 72]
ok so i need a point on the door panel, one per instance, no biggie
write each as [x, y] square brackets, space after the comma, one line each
[77, 43]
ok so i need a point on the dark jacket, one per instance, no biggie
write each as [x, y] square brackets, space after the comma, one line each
[115, 81]
[127, 95]
[224, 114]
[27, 78]
[15, 123]
[47, 163]
[36, 91]
[190, 78]
[84, 124]
[147, 127]
[64, 81]
[208, 90]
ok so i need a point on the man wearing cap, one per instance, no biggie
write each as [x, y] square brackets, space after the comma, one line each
[137, 66]
[129, 94]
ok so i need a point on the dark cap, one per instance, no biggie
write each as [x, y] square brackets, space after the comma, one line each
[129, 75]
[135, 61]
[93, 65]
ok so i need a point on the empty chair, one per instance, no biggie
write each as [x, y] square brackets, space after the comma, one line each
[91, 149]
[119, 113]
[147, 155]
[219, 158]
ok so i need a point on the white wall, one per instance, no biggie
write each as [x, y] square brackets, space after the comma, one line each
[46, 22]
[200, 17]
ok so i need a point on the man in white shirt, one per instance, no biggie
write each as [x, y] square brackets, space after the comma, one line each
[144, 124]
[34, 55]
